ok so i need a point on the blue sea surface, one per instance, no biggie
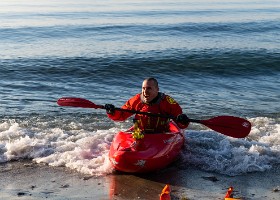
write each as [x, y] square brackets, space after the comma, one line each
[213, 57]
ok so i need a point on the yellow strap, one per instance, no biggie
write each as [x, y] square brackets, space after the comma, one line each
[137, 133]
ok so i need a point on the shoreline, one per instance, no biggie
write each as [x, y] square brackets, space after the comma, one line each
[27, 180]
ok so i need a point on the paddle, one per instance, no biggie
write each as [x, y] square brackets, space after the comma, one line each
[227, 125]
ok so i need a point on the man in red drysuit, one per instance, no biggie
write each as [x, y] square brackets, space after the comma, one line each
[152, 101]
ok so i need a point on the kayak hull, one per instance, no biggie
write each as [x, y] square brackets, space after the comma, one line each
[153, 152]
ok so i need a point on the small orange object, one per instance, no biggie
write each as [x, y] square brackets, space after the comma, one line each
[165, 194]
[229, 195]
[229, 192]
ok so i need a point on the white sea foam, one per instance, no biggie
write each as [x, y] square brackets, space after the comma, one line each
[215, 152]
[87, 151]
[84, 151]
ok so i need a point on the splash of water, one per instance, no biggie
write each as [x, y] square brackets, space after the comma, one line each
[86, 151]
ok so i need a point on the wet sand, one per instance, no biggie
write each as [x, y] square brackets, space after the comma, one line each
[27, 180]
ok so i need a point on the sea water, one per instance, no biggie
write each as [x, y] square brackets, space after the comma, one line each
[213, 57]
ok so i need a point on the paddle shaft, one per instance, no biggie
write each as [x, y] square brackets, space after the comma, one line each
[151, 114]
[146, 113]
[156, 115]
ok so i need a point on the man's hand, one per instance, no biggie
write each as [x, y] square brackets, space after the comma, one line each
[182, 119]
[110, 109]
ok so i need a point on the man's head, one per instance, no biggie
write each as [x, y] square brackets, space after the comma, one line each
[150, 89]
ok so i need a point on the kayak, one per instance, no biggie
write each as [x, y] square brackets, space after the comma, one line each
[153, 152]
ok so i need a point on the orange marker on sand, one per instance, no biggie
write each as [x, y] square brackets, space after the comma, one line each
[165, 194]
[229, 195]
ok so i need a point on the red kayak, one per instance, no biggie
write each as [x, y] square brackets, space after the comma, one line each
[153, 152]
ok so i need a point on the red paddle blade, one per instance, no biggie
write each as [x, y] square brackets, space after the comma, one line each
[77, 102]
[229, 125]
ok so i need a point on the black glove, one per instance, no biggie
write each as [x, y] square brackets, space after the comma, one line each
[110, 109]
[182, 119]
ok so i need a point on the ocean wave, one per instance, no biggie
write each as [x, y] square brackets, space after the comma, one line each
[212, 61]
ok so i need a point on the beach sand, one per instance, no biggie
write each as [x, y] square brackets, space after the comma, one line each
[26, 180]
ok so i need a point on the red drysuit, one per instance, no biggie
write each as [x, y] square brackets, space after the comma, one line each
[162, 104]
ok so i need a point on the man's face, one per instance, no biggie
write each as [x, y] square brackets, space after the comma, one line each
[149, 91]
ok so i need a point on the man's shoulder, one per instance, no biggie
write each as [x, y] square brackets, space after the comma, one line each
[136, 97]
[169, 99]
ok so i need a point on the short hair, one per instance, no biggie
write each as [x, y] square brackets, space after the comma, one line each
[152, 79]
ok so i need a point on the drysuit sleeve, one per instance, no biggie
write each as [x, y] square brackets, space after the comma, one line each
[129, 105]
